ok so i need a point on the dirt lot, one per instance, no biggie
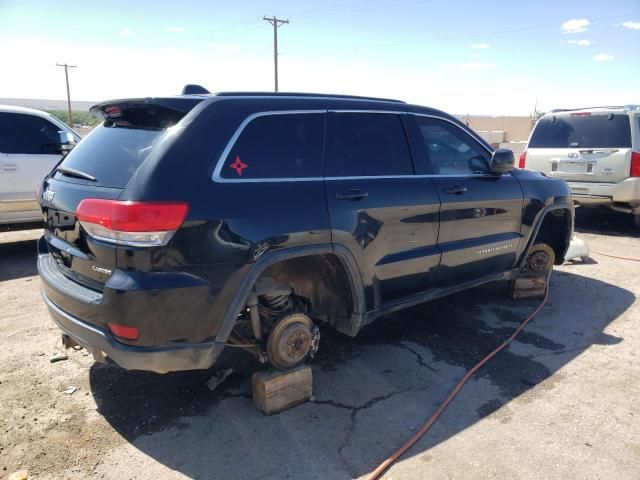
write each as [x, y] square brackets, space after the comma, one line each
[561, 402]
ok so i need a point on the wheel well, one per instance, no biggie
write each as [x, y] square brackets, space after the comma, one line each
[322, 279]
[554, 231]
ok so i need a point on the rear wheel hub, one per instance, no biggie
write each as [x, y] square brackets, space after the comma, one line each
[291, 340]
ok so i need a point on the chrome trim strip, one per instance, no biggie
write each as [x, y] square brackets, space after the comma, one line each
[219, 165]
[390, 112]
[216, 172]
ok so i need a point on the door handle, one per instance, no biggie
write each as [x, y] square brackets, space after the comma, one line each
[9, 167]
[456, 189]
[352, 194]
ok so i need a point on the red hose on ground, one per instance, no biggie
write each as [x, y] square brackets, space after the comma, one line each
[416, 436]
[614, 256]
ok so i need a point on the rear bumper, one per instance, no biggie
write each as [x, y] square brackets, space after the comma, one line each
[170, 310]
[586, 193]
[155, 359]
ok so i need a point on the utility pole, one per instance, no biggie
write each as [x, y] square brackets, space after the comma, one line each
[275, 22]
[66, 76]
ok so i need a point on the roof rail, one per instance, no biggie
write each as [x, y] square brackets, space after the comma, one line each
[307, 95]
[193, 89]
[589, 108]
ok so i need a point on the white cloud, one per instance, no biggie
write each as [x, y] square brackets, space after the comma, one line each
[176, 29]
[472, 66]
[492, 91]
[581, 43]
[126, 32]
[575, 25]
[480, 45]
[603, 57]
[631, 25]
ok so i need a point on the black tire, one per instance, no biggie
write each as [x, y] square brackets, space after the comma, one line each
[636, 219]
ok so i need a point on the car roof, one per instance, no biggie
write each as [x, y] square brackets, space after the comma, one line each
[602, 109]
[30, 111]
[266, 99]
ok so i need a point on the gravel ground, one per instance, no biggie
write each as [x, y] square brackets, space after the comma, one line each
[560, 402]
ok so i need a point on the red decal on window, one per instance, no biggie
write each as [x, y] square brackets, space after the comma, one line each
[238, 166]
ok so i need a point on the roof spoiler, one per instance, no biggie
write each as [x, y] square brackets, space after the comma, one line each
[193, 89]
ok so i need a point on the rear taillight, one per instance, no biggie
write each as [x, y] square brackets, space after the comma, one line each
[635, 164]
[523, 159]
[142, 224]
[123, 331]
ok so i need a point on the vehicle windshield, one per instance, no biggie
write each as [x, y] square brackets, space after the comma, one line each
[582, 131]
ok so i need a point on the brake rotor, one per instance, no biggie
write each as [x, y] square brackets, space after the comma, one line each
[540, 260]
[290, 341]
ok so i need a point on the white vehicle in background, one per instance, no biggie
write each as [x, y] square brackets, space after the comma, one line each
[597, 152]
[32, 142]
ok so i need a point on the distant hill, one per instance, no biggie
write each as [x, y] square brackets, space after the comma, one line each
[42, 104]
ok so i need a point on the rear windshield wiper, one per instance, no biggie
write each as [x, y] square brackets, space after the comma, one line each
[72, 172]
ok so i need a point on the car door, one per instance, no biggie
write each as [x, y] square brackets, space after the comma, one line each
[379, 209]
[28, 151]
[480, 213]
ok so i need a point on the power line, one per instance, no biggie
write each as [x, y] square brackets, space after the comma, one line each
[66, 77]
[275, 23]
[476, 35]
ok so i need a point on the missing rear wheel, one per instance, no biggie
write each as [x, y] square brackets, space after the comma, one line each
[291, 340]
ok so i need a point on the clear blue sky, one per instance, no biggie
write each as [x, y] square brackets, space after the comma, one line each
[493, 57]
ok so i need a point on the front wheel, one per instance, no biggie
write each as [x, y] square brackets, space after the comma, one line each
[637, 220]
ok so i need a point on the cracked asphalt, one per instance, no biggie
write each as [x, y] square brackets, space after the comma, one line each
[560, 402]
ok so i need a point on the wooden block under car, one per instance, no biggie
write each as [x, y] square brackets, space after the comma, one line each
[528, 287]
[275, 391]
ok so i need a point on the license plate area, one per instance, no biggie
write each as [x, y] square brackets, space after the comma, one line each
[578, 166]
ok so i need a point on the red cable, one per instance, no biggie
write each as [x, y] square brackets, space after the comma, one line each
[614, 256]
[416, 436]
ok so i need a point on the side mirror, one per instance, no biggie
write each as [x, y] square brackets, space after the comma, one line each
[66, 142]
[502, 161]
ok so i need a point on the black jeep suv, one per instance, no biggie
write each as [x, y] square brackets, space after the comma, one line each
[182, 225]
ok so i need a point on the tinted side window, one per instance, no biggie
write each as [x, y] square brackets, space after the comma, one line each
[367, 144]
[24, 133]
[451, 150]
[278, 146]
[582, 131]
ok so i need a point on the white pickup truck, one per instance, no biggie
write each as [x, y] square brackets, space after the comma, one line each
[597, 152]
[32, 142]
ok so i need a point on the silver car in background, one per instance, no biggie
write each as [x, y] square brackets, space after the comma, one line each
[596, 150]
[32, 142]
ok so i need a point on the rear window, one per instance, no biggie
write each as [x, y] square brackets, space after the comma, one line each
[278, 146]
[367, 144]
[113, 151]
[582, 131]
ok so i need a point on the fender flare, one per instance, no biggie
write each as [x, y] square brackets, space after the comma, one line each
[244, 289]
[540, 216]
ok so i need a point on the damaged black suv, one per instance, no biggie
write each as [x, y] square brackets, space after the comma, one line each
[182, 225]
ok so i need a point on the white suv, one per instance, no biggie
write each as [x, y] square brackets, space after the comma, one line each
[30, 146]
[596, 150]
